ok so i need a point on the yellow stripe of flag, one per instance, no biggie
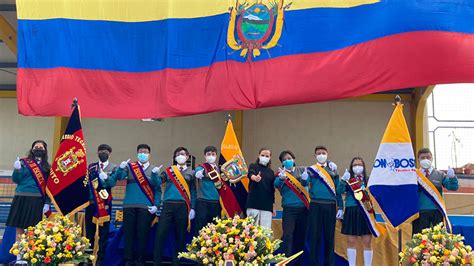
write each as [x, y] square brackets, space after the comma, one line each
[397, 129]
[150, 10]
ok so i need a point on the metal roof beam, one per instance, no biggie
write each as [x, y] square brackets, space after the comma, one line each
[8, 34]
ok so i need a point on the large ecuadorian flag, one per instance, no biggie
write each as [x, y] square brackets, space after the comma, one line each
[393, 181]
[149, 58]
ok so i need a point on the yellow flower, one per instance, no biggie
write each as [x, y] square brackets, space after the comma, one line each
[193, 256]
[433, 259]
[92, 257]
[424, 237]
[205, 261]
[452, 258]
[34, 260]
[16, 252]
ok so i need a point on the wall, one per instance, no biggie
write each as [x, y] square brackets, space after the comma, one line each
[18, 132]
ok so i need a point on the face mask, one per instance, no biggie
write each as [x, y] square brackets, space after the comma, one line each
[103, 157]
[357, 169]
[143, 157]
[180, 159]
[321, 158]
[288, 164]
[263, 160]
[211, 159]
[38, 152]
[425, 163]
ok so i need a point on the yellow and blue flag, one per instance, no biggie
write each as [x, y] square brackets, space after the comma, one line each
[393, 181]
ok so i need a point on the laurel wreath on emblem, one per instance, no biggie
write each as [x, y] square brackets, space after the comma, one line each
[254, 24]
[234, 169]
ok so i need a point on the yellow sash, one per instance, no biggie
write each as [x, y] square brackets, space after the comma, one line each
[326, 177]
[433, 193]
[182, 181]
[298, 185]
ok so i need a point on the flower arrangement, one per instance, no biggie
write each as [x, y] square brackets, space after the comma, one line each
[237, 240]
[435, 246]
[53, 242]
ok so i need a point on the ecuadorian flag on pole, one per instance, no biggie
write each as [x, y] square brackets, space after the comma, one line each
[393, 181]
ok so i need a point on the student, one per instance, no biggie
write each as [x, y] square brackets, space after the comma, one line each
[354, 224]
[139, 208]
[30, 201]
[178, 207]
[429, 215]
[325, 201]
[100, 188]
[207, 205]
[261, 194]
[292, 182]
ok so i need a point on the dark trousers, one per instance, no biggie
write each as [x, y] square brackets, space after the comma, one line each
[175, 213]
[427, 219]
[295, 225]
[206, 211]
[136, 225]
[322, 224]
[90, 233]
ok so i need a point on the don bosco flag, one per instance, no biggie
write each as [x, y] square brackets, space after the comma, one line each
[234, 171]
[162, 58]
[393, 181]
[68, 182]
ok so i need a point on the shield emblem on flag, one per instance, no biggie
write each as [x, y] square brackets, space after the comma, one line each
[70, 160]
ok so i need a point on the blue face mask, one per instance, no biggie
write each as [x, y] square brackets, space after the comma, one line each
[143, 157]
[288, 164]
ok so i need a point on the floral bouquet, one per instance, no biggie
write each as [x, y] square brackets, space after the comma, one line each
[435, 246]
[53, 242]
[237, 240]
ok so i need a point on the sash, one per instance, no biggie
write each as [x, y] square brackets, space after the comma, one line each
[180, 183]
[38, 176]
[365, 205]
[298, 189]
[37, 173]
[101, 214]
[142, 181]
[227, 199]
[322, 174]
[432, 193]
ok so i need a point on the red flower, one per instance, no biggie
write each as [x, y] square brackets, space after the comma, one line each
[47, 259]
[218, 252]
[68, 247]
[412, 259]
[49, 225]
[424, 242]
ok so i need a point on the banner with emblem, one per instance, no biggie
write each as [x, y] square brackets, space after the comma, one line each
[233, 167]
[67, 184]
[393, 181]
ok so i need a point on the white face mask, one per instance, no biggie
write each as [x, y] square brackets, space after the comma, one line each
[425, 163]
[263, 160]
[180, 159]
[358, 169]
[211, 159]
[322, 158]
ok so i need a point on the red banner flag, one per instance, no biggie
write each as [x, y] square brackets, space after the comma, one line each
[67, 182]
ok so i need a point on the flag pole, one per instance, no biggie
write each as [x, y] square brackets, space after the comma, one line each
[398, 101]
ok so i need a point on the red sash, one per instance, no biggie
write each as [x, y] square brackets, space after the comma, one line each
[228, 201]
[142, 181]
[298, 189]
[101, 214]
[360, 194]
[37, 174]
